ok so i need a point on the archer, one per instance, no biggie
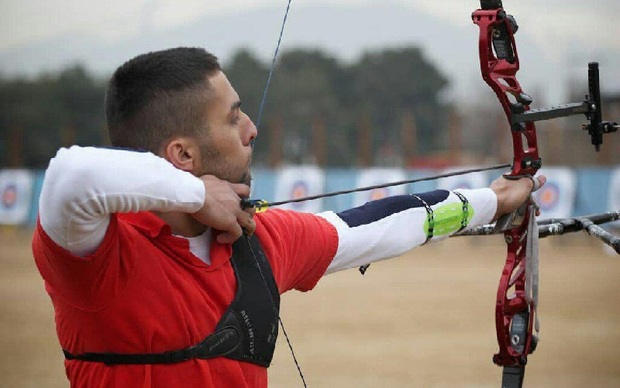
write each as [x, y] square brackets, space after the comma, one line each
[158, 276]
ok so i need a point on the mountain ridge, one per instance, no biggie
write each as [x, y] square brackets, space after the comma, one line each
[344, 32]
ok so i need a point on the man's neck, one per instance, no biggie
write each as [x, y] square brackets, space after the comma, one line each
[182, 224]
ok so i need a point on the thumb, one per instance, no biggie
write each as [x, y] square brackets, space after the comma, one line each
[539, 182]
[228, 237]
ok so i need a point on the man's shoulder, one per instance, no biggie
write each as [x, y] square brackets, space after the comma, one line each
[285, 217]
[285, 224]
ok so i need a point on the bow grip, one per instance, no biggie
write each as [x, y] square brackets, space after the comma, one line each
[512, 220]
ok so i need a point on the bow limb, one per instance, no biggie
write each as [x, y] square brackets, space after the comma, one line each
[499, 63]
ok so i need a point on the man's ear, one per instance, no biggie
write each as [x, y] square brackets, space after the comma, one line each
[182, 152]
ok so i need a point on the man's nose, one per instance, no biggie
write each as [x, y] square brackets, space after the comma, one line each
[252, 131]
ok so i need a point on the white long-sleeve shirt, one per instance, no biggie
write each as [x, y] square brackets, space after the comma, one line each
[83, 186]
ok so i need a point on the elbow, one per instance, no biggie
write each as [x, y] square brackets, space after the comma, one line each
[67, 179]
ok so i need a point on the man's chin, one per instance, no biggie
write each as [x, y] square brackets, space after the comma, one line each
[247, 179]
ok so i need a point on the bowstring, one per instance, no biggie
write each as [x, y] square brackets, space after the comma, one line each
[258, 122]
[273, 66]
[276, 310]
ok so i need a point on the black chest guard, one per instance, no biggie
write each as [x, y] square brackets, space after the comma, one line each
[246, 332]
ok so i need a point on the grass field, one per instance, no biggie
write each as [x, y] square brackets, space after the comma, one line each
[421, 320]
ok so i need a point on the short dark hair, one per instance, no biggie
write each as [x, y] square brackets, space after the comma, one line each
[156, 96]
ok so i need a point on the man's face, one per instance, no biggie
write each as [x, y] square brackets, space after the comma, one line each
[226, 148]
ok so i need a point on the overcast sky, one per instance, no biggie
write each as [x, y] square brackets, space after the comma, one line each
[566, 33]
[563, 22]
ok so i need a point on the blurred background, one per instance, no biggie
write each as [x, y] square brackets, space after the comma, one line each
[363, 92]
[358, 83]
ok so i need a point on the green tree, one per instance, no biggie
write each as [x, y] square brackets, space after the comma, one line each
[317, 110]
[39, 116]
[82, 99]
[305, 97]
[391, 82]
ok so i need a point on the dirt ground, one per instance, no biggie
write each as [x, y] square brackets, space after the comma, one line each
[421, 320]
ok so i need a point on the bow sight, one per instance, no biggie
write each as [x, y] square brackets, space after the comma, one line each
[590, 107]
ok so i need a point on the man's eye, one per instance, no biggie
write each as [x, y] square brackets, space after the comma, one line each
[235, 120]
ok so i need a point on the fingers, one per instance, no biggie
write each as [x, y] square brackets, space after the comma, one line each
[246, 221]
[232, 229]
[240, 189]
[512, 193]
[229, 237]
[222, 211]
[538, 181]
[245, 217]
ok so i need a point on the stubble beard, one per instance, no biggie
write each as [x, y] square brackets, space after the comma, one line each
[247, 178]
[214, 164]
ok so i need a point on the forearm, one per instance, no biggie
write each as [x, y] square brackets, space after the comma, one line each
[390, 227]
[84, 186]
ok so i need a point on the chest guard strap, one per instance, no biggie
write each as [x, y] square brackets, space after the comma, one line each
[246, 332]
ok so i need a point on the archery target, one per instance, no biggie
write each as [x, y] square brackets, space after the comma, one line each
[379, 193]
[15, 196]
[377, 176]
[9, 196]
[556, 198]
[295, 182]
[475, 180]
[548, 197]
